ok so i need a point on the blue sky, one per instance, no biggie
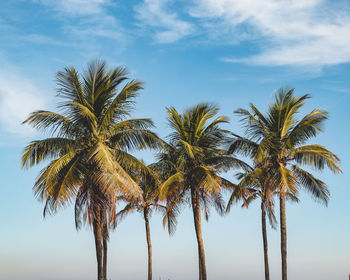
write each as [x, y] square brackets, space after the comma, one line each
[230, 52]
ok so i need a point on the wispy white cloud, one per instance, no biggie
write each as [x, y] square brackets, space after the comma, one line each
[92, 27]
[77, 7]
[289, 32]
[169, 27]
[18, 97]
[88, 21]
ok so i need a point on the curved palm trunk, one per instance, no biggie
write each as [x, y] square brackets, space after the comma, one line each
[199, 265]
[99, 253]
[264, 235]
[283, 235]
[149, 245]
[105, 246]
[104, 227]
[104, 259]
[198, 227]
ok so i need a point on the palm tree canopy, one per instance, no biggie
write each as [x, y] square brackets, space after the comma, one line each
[149, 183]
[91, 136]
[277, 140]
[194, 158]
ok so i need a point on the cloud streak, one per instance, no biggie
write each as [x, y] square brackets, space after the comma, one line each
[18, 97]
[290, 32]
[88, 21]
[286, 32]
[77, 7]
[169, 27]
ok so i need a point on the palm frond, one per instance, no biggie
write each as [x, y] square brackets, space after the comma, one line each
[110, 173]
[316, 156]
[53, 122]
[47, 149]
[316, 187]
[170, 185]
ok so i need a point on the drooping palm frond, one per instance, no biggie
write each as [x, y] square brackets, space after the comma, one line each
[171, 185]
[243, 146]
[315, 156]
[128, 209]
[307, 127]
[316, 187]
[47, 149]
[52, 122]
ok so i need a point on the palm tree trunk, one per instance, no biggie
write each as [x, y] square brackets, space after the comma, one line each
[98, 244]
[104, 227]
[105, 245]
[198, 227]
[149, 244]
[199, 265]
[283, 234]
[264, 235]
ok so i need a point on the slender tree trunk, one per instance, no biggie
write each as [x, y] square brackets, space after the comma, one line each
[283, 234]
[98, 244]
[264, 235]
[198, 227]
[104, 227]
[199, 264]
[149, 244]
[105, 245]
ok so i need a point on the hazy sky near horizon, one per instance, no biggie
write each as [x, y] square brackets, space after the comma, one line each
[230, 52]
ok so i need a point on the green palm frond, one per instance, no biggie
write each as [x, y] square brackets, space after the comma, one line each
[134, 139]
[169, 218]
[316, 156]
[133, 124]
[307, 128]
[61, 192]
[129, 208]
[132, 164]
[240, 193]
[316, 187]
[53, 122]
[224, 163]
[243, 146]
[189, 149]
[121, 104]
[170, 185]
[110, 173]
[69, 85]
[206, 179]
[47, 149]
[288, 179]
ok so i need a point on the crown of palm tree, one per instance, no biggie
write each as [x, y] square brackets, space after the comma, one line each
[91, 136]
[277, 142]
[194, 157]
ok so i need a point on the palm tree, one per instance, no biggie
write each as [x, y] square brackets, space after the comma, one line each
[88, 148]
[281, 136]
[254, 184]
[195, 157]
[149, 186]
